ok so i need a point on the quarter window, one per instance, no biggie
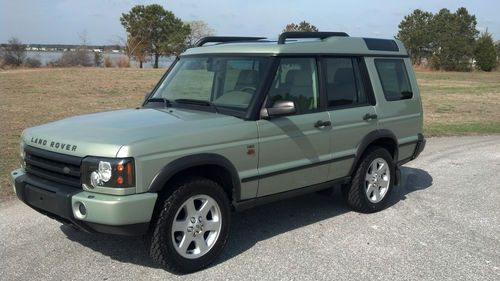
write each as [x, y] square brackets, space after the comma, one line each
[394, 79]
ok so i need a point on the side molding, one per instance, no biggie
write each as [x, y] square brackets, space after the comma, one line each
[192, 161]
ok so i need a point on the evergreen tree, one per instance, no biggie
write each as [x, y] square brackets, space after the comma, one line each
[414, 32]
[485, 52]
[161, 30]
[303, 26]
[446, 39]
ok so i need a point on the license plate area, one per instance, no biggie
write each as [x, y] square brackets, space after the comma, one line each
[40, 198]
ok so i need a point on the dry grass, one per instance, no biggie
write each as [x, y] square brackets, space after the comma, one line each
[454, 103]
[460, 103]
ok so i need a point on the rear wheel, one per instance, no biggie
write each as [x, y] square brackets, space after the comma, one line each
[192, 226]
[372, 183]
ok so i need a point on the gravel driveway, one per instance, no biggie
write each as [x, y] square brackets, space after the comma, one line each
[443, 223]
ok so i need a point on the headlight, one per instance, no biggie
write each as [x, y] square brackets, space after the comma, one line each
[108, 172]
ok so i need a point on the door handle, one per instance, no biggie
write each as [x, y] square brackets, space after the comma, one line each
[321, 124]
[369, 116]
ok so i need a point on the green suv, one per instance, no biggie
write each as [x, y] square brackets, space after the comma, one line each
[235, 122]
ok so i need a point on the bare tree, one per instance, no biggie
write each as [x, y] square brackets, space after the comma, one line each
[14, 53]
[84, 38]
[199, 29]
[137, 49]
[83, 55]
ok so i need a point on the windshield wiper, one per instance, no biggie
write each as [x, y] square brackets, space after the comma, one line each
[197, 102]
[164, 100]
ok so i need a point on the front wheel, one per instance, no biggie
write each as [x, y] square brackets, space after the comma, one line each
[372, 183]
[192, 226]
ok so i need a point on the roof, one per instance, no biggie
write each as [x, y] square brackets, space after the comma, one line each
[330, 45]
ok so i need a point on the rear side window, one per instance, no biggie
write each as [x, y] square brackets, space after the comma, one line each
[343, 82]
[394, 79]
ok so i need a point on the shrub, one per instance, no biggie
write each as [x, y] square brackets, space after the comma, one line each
[13, 53]
[123, 62]
[32, 62]
[2, 61]
[81, 57]
[108, 62]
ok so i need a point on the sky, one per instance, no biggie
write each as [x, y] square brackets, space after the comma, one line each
[62, 21]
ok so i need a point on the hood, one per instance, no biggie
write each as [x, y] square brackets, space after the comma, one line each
[102, 134]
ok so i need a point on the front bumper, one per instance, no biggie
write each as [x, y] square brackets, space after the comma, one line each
[124, 215]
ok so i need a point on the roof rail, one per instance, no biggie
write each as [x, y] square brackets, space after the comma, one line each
[299, 34]
[224, 39]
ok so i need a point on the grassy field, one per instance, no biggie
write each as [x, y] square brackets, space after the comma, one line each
[460, 103]
[454, 103]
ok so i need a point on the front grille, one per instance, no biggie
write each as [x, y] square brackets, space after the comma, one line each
[52, 166]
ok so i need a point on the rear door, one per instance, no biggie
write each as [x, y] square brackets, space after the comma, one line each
[351, 107]
[293, 150]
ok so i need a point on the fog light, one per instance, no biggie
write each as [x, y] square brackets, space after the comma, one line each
[82, 209]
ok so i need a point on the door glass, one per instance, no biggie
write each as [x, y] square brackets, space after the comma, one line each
[343, 83]
[296, 80]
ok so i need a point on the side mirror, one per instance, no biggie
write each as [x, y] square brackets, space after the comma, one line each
[279, 108]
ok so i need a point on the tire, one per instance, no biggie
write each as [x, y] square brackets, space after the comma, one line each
[199, 234]
[370, 191]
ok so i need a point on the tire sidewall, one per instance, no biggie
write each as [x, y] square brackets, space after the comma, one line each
[363, 169]
[163, 227]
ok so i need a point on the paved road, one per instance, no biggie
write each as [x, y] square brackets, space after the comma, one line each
[442, 224]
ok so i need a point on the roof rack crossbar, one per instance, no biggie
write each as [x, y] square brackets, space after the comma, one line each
[224, 39]
[319, 35]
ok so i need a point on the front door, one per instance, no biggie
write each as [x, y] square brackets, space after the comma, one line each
[294, 150]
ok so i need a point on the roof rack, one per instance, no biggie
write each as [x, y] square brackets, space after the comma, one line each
[224, 39]
[299, 34]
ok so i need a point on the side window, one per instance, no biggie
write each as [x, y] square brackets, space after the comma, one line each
[394, 79]
[343, 82]
[296, 80]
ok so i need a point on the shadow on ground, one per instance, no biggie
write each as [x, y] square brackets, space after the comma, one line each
[254, 225]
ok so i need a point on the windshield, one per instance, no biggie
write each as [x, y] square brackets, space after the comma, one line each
[222, 81]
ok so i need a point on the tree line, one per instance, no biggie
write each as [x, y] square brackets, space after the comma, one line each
[444, 41]
[447, 41]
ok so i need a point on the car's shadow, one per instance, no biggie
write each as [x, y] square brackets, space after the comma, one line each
[254, 225]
